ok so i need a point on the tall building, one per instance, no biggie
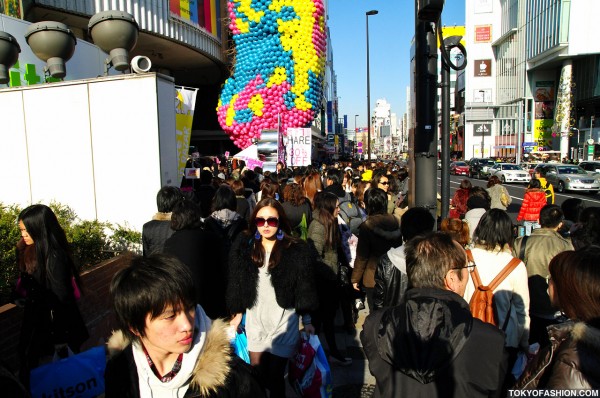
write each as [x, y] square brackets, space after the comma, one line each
[532, 83]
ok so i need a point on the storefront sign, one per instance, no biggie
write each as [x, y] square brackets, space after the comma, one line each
[483, 34]
[483, 68]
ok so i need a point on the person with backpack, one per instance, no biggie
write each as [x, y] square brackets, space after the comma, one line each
[349, 208]
[540, 174]
[491, 254]
[430, 345]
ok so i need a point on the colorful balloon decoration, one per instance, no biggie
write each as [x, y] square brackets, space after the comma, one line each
[280, 50]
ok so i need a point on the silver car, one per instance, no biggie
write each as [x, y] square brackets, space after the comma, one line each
[569, 177]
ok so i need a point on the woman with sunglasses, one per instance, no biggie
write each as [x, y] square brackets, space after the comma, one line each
[271, 279]
[492, 240]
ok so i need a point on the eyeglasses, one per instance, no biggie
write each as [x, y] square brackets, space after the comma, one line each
[469, 267]
[385, 183]
[271, 221]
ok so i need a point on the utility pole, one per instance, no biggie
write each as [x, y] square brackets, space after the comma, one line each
[424, 171]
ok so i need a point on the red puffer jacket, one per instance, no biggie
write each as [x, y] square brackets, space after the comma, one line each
[533, 202]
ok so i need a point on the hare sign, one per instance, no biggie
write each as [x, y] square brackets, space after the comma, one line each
[298, 147]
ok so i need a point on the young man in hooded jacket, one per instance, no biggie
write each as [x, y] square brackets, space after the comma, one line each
[430, 345]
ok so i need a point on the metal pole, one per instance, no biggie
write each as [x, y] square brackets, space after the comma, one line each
[445, 139]
[372, 12]
[519, 127]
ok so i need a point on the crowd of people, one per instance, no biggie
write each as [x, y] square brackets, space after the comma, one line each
[283, 251]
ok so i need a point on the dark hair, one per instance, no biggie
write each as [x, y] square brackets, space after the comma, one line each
[49, 239]
[415, 221]
[457, 229]
[360, 186]
[335, 175]
[551, 216]
[294, 194]
[589, 231]
[186, 215]
[541, 171]
[238, 187]
[576, 278]
[377, 176]
[534, 183]
[479, 198]
[378, 201]
[494, 230]
[466, 184]
[224, 199]
[268, 188]
[206, 177]
[493, 180]
[148, 286]
[167, 197]
[429, 258]
[572, 209]
[326, 203]
[258, 252]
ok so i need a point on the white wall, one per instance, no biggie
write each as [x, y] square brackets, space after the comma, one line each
[583, 27]
[94, 145]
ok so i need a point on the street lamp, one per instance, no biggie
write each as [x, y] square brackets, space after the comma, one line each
[372, 12]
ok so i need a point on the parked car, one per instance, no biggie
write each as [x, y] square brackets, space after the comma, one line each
[459, 168]
[479, 167]
[509, 172]
[590, 167]
[570, 177]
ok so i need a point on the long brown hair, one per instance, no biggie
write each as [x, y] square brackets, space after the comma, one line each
[258, 251]
[312, 185]
[576, 278]
[326, 203]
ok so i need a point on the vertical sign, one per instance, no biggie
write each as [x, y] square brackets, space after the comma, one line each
[184, 115]
[298, 148]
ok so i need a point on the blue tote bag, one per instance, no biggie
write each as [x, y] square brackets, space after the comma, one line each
[80, 375]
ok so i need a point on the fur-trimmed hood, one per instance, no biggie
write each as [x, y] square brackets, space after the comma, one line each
[162, 216]
[571, 361]
[213, 364]
[385, 226]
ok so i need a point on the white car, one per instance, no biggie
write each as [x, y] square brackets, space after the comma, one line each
[509, 172]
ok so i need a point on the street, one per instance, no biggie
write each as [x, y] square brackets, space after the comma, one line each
[517, 191]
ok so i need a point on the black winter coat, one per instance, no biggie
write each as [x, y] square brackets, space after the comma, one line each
[293, 278]
[155, 233]
[431, 346]
[390, 283]
[199, 251]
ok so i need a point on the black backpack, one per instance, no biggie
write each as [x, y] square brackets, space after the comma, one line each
[350, 213]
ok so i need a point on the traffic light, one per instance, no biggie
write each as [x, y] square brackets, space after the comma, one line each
[430, 10]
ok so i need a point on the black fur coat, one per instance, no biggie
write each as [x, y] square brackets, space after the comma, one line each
[293, 278]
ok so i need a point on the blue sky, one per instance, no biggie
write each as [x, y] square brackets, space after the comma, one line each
[390, 33]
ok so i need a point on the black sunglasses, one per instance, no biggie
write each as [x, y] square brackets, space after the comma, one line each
[271, 221]
[385, 183]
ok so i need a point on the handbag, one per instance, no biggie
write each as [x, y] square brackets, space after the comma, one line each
[309, 372]
[504, 199]
[80, 375]
[240, 344]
